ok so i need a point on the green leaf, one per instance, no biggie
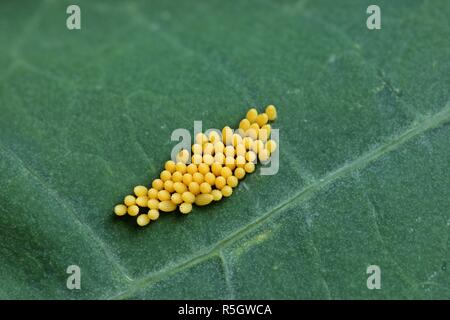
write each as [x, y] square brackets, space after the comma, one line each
[364, 148]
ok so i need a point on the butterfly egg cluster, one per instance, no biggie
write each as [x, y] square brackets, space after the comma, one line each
[217, 163]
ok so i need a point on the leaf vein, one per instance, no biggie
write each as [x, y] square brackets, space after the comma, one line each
[428, 123]
[227, 275]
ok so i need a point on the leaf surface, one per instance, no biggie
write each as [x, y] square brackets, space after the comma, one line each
[364, 148]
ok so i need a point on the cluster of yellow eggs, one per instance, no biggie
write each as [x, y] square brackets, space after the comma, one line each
[217, 164]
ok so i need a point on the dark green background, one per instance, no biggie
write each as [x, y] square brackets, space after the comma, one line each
[364, 148]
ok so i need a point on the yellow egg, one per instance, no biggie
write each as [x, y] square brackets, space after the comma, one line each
[249, 167]
[225, 172]
[129, 200]
[239, 173]
[240, 161]
[240, 150]
[191, 168]
[208, 148]
[167, 206]
[170, 166]
[271, 145]
[176, 198]
[244, 124]
[163, 195]
[247, 142]
[120, 209]
[181, 167]
[183, 156]
[227, 191]
[251, 115]
[227, 134]
[185, 208]
[262, 119]
[250, 156]
[153, 214]
[188, 197]
[157, 184]
[237, 139]
[165, 175]
[232, 181]
[252, 133]
[180, 187]
[218, 147]
[201, 138]
[168, 185]
[177, 176]
[187, 178]
[229, 151]
[214, 137]
[205, 187]
[198, 177]
[197, 148]
[133, 210]
[230, 162]
[153, 203]
[143, 220]
[142, 201]
[217, 194]
[140, 191]
[210, 178]
[194, 187]
[203, 199]
[208, 159]
[216, 168]
[219, 158]
[152, 193]
[197, 159]
[263, 155]
[271, 112]
[220, 182]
